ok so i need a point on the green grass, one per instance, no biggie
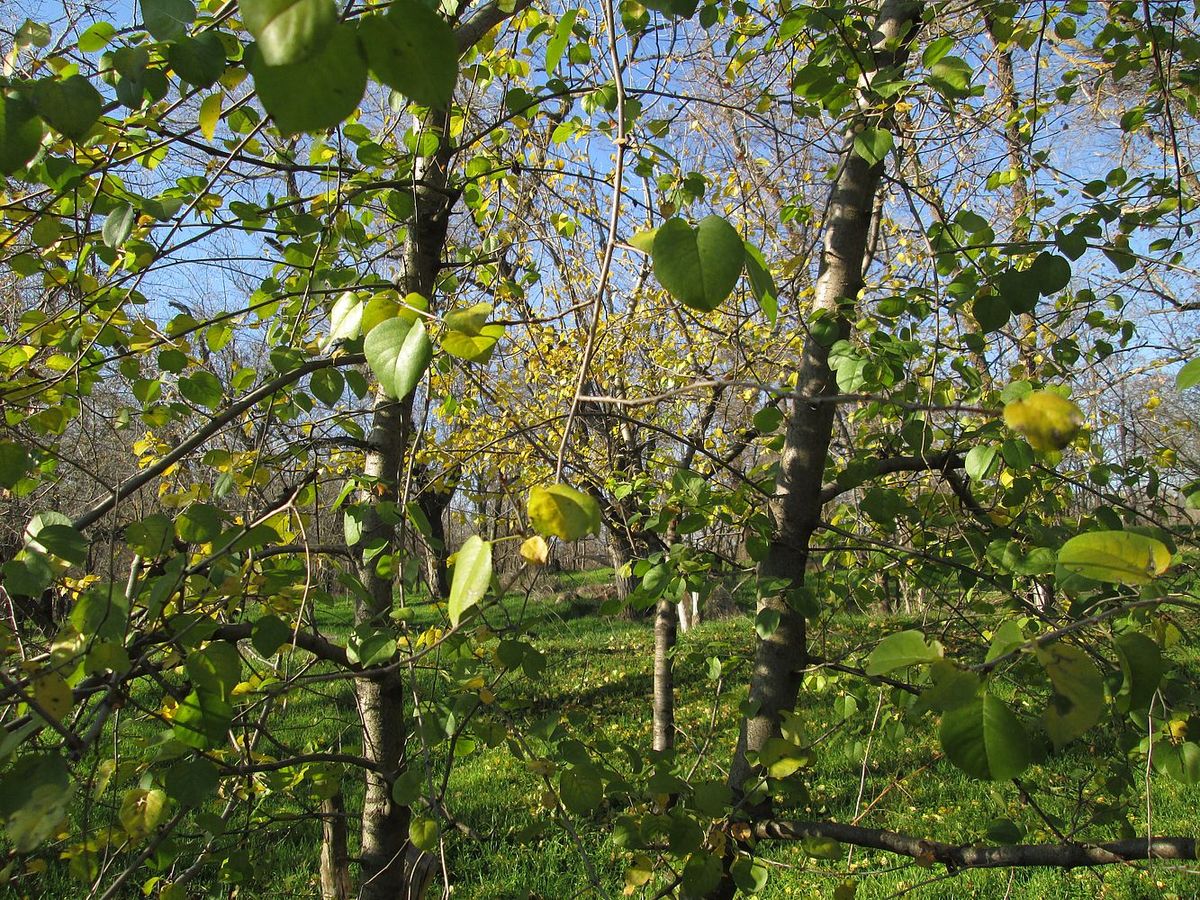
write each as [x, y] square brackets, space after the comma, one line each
[597, 682]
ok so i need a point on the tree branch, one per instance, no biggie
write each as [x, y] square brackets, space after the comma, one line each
[467, 34]
[202, 434]
[966, 856]
[936, 462]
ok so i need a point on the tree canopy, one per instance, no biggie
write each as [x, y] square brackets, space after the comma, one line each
[393, 307]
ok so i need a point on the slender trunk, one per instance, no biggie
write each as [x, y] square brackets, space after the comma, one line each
[434, 505]
[387, 866]
[335, 854]
[781, 656]
[664, 675]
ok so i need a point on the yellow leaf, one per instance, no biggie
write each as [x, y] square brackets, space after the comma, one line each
[535, 551]
[210, 115]
[1046, 420]
[563, 512]
[53, 694]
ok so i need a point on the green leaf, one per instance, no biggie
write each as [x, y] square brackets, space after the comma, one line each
[198, 524]
[423, 833]
[557, 45]
[982, 462]
[367, 646]
[216, 669]
[580, 792]
[62, 541]
[1180, 762]
[398, 352]
[288, 31]
[701, 874]
[749, 874]
[762, 284]
[562, 511]
[14, 463]
[471, 577]
[984, 739]
[269, 634]
[34, 795]
[905, 648]
[1188, 376]
[412, 50]
[327, 385]
[475, 348]
[141, 811]
[118, 225]
[1005, 639]
[1142, 669]
[167, 20]
[192, 781]
[203, 388]
[20, 134]
[1121, 557]
[71, 105]
[202, 720]
[199, 61]
[150, 537]
[873, 144]
[319, 92]
[345, 319]
[469, 321]
[781, 758]
[698, 266]
[1078, 697]
[1051, 272]
[952, 687]
[991, 312]
[96, 37]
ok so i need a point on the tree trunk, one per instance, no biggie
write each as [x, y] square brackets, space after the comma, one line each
[434, 505]
[335, 854]
[664, 675]
[781, 656]
[388, 869]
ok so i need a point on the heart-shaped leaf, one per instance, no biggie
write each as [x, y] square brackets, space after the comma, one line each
[167, 20]
[198, 61]
[398, 352]
[20, 134]
[698, 266]
[71, 106]
[412, 50]
[288, 31]
[317, 93]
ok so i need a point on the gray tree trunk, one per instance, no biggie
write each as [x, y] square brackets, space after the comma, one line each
[388, 867]
[781, 657]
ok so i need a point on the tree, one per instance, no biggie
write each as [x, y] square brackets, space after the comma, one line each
[282, 280]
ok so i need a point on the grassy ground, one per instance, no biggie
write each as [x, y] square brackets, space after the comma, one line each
[598, 677]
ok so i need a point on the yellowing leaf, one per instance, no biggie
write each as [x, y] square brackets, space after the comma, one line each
[141, 811]
[1046, 420]
[563, 512]
[1124, 557]
[210, 115]
[53, 694]
[535, 550]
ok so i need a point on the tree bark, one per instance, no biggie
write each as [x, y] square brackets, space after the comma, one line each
[664, 675]
[781, 656]
[387, 866]
[335, 853]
